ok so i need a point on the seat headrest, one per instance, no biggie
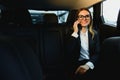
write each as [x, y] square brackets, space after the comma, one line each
[113, 40]
[50, 18]
[112, 44]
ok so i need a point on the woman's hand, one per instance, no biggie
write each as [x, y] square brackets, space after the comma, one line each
[82, 69]
[75, 26]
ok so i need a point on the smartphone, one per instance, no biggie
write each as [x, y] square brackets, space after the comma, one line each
[79, 27]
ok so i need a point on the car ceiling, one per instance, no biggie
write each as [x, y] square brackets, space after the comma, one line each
[49, 4]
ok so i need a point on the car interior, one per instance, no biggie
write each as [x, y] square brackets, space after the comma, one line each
[33, 37]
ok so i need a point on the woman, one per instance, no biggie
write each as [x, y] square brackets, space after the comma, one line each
[82, 46]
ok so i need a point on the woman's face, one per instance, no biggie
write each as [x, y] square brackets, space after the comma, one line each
[84, 18]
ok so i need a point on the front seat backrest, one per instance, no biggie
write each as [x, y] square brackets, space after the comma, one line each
[110, 57]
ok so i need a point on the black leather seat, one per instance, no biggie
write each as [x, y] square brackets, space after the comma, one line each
[109, 66]
[18, 16]
[18, 61]
[50, 18]
[51, 42]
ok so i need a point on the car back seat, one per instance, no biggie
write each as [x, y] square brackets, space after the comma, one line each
[52, 48]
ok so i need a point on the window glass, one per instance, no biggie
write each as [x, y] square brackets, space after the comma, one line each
[110, 11]
[37, 15]
[91, 10]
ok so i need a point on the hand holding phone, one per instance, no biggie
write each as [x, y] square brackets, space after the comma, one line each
[76, 26]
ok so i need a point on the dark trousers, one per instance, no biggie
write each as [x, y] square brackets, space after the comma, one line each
[87, 76]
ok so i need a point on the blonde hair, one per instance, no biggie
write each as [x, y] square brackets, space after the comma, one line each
[90, 26]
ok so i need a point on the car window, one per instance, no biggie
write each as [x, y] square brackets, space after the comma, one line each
[110, 11]
[37, 15]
